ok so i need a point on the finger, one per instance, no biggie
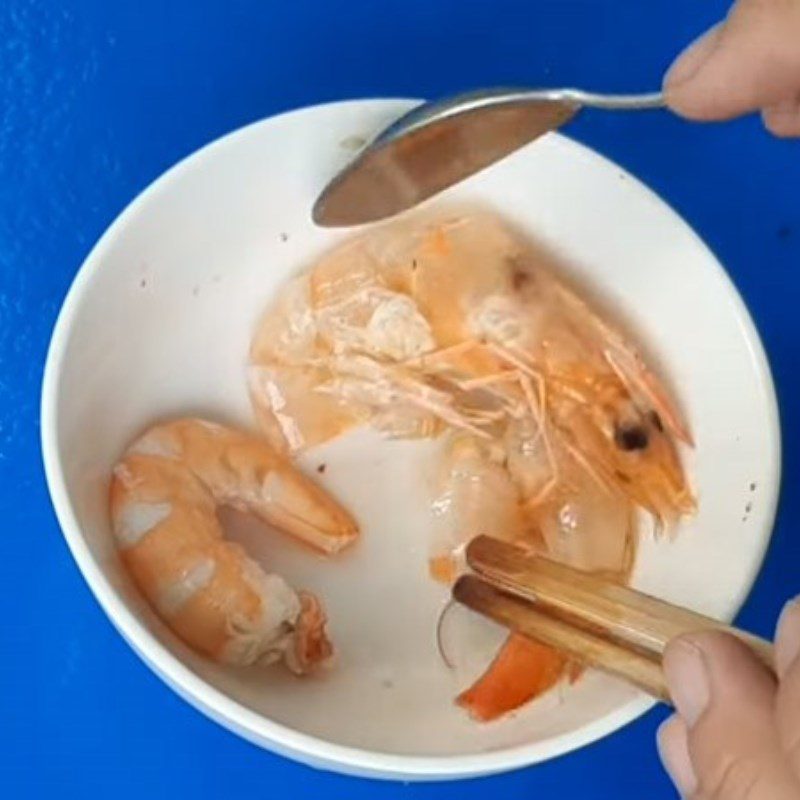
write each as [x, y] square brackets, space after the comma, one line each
[783, 119]
[751, 61]
[689, 62]
[673, 747]
[787, 658]
[726, 698]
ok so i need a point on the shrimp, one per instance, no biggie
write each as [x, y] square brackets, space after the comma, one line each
[164, 496]
[457, 302]
[555, 432]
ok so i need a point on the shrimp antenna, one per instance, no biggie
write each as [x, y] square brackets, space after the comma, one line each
[439, 638]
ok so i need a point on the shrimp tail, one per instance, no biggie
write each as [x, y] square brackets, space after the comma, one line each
[522, 670]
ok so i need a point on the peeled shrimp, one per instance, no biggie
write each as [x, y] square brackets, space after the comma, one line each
[557, 432]
[164, 496]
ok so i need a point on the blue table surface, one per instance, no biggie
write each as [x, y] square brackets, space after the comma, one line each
[97, 97]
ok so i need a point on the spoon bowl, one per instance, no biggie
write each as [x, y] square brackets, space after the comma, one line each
[438, 144]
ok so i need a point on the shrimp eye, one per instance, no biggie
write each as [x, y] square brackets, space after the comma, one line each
[520, 279]
[630, 437]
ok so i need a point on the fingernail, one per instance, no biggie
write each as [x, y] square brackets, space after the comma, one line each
[687, 678]
[673, 748]
[692, 58]
[787, 637]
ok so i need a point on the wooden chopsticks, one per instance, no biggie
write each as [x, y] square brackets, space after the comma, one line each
[599, 623]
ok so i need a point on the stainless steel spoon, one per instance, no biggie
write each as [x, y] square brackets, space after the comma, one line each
[439, 144]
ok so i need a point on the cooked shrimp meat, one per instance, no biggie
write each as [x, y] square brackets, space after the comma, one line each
[164, 498]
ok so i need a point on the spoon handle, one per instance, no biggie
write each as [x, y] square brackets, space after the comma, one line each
[610, 102]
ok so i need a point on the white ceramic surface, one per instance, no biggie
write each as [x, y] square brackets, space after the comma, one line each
[158, 322]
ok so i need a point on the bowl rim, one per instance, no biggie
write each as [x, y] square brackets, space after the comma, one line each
[280, 738]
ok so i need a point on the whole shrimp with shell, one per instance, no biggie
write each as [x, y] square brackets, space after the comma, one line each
[555, 432]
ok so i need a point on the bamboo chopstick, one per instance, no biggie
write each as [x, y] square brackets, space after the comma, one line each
[590, 649]
[600, 623]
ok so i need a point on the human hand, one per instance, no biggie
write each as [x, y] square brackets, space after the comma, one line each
[736, 735]
[749, 62]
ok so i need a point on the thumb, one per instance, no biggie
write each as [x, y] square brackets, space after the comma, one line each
[749, 62]
[725, 699]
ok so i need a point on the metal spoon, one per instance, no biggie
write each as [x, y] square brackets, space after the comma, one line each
[439, 144]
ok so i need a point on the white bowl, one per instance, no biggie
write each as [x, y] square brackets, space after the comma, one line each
[158, 322]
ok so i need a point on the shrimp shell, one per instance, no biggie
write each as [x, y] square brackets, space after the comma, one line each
[555, 431]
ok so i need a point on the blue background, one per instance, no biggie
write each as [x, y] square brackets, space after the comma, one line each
[96, 99]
